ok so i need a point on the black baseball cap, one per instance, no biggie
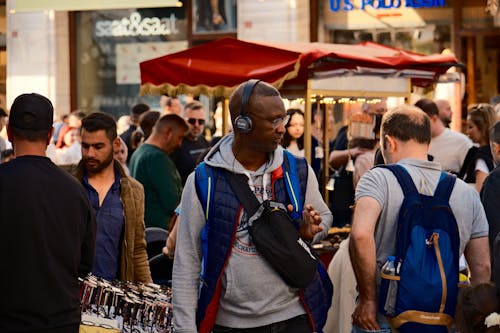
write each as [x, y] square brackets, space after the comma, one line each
[31, 112]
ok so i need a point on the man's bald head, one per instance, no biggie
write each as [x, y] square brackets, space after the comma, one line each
[407, 123]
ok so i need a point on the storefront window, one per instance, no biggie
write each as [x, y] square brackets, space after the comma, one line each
[476, 16]
[214, 16]
[401, 24]
[429, 39]
[109, 47]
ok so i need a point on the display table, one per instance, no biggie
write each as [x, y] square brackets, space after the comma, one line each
[109, 307]
[327, 248]
[97, 329]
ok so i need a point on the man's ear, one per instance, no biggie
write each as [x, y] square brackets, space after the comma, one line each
[49, 137]
[9, 134]
[495, 149]
[167, 133]
[116, 144]
[390, 143]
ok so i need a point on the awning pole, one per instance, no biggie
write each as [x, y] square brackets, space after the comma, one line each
[307, 127]
[225, 116]
[326, 150]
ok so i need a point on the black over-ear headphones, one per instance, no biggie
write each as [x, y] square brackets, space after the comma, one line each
[243, 123]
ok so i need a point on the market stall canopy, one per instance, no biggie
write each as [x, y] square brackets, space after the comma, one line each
[216, 68]
[323, 60]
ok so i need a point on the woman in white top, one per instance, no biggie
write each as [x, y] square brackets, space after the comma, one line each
[479, 161]
[293, 140]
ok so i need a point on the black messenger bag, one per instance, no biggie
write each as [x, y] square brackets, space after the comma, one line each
[275, 235]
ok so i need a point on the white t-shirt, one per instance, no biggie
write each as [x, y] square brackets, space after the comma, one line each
[449, 149]
[481, 166]
[3, 144]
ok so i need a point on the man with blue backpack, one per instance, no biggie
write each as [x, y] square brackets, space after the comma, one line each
[223, 281]
[411, 224]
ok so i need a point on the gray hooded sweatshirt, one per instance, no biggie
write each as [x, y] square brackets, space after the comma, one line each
[253, 294]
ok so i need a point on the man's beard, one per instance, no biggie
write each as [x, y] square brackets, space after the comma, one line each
[98, 166]
[446, 121]
[194, 136]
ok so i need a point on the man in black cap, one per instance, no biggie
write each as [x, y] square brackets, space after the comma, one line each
[48, 229]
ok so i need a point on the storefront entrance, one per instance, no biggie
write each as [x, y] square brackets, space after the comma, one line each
[481, 55]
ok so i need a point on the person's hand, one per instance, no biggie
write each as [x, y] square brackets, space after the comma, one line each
[311, 221]
[168, 250]
[365, 315]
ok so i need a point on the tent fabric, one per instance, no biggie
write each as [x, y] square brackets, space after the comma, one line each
[216, 68]
[323, 57]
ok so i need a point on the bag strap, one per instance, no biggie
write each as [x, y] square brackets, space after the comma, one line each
[469, 158]
[443, 190]
[292, 182]
[239, 185]
[204, 186]
[403, 177]
[204, 189]
[445, 186]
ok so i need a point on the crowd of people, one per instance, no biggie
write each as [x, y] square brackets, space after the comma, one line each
[114, 182]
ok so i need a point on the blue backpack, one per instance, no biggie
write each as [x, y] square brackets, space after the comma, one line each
[422, 296]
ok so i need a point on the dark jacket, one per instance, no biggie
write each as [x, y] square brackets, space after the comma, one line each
[490, 196]
[134, 265]
[217, 241]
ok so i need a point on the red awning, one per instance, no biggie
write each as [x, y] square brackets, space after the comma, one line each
[216, 68]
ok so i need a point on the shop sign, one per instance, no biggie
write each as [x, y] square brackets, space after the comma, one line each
[348, 5]
[135, 25]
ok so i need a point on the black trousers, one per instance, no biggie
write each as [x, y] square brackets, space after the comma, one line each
[297, 324]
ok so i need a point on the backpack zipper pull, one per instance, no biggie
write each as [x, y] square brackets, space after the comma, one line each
[430, 242]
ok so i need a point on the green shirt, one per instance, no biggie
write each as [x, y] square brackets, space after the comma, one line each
[154, 169]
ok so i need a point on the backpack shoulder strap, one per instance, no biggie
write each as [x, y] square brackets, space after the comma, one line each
[293, 181]
[445, 186]
[469, 158]
[403, 177]
[204, 186]
[204, 183]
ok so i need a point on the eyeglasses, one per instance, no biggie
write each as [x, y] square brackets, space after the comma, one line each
[278, 121]
[193, 121]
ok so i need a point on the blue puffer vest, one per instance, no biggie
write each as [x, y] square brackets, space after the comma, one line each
[222, 209]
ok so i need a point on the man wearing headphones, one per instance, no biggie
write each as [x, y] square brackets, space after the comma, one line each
[249, 295]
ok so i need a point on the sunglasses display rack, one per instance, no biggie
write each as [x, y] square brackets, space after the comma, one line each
[128, 307]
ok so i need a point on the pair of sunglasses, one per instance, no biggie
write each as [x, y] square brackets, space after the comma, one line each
[193, 121]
